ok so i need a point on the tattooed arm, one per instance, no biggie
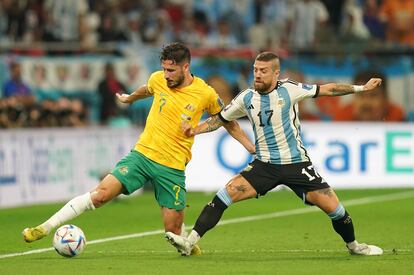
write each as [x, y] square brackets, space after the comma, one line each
[334, 89]
[209, 125]
[213, 123]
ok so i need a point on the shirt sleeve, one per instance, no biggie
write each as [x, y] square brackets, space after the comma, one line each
[215, 104]
[152, 82]
[234, 110]
[299, 91]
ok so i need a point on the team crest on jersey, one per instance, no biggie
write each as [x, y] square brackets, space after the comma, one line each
[307, 86]
[281, 102]
[190, 107]
[123, 170]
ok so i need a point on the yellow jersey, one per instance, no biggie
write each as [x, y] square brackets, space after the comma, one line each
[163, 140]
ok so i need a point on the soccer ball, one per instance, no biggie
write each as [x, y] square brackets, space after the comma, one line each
[69, 240]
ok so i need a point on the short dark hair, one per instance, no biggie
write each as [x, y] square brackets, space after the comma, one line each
[177, 52]
[269, 56]
[362, 77]
[266, 56]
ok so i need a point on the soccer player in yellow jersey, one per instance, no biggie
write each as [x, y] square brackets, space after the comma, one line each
[162, 151]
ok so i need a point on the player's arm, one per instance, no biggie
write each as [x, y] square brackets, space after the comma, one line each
[140, 93]
[335, 89]
[216, 121]
[209, 125]
[234, 129]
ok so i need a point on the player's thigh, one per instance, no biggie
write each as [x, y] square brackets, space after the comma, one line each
[133, 171]
[169, 187]
[240, 189]
[303, 179]
[261, 176]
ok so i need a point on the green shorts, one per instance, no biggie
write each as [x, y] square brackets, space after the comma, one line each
[135, 169]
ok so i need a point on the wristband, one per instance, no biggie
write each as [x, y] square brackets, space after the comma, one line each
[358, 88]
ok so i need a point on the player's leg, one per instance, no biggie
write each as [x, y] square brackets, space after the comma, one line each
[109, 188]
[305, 181]
[237, 189]
[128, 171]
[327, 201]
[173, 220]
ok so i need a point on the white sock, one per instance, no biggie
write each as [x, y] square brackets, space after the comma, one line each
[72, 209]
[352, 245]
[193, 237]
[183, 232]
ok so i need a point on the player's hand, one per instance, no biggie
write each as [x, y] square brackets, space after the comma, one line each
[124, 98]
[187, 129]
[372, 84]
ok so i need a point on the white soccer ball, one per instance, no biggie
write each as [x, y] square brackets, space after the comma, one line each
[69, 240]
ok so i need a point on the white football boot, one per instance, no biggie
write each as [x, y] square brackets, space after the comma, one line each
[182, 244]
[356, 248]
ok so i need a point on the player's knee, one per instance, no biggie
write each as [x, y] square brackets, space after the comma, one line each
[100, 196]
[338, 213]
[224, 195]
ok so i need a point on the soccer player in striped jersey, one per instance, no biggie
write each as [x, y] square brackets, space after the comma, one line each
[162, 151]
[272, 108]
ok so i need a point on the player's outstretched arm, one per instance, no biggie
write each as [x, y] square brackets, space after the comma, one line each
[140, 93]
[335, 89]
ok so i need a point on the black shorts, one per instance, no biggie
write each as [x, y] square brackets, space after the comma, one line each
[300, 177]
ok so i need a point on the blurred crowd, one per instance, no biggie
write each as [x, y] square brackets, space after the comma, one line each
[46, 27]
[260, 24]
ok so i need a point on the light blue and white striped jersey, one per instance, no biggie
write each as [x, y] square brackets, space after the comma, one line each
[275, 120]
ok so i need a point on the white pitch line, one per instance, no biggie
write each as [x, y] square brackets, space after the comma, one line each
[366, 200]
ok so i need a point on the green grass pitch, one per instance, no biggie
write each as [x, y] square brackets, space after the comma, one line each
[290, 239]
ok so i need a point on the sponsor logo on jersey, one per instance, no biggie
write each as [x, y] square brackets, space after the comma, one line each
[251, 107]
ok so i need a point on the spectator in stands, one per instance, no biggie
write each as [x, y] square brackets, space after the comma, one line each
[16, 88]
[107, 90]
[372, 21]
[399, 18]
[353, 27]
[244, 79]
[15, 18]
[372, 106]
[222, 37]
[64, 19]
[308, 17]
